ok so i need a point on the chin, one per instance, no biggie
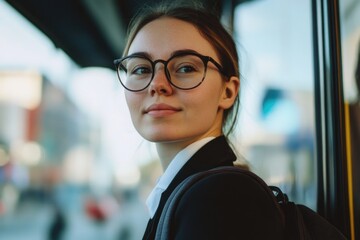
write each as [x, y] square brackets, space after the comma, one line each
[162, 139]
[162, 136]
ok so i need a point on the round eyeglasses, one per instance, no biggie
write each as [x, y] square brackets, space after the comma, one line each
[184, 70]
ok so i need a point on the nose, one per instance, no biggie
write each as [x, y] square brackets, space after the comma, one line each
[160, 84]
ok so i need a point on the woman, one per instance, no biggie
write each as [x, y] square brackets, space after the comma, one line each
[180, 72]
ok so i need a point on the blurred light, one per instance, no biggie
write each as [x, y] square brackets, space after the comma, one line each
[127, 176]
[22, 88]
[77, 165]
[30, 153]
[10, 197]
[276, 180]
[94, 89]
[4, 158]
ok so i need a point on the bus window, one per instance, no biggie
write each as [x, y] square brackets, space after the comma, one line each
[277, 95]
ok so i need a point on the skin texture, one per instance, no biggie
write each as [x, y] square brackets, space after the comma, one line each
[170, 117]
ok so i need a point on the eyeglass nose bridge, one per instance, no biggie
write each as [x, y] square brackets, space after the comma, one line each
[166, 71]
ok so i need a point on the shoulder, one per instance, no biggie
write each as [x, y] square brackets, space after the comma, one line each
[227, 203]
[228, 189]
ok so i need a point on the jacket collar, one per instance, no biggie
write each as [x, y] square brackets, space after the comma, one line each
[214, 154]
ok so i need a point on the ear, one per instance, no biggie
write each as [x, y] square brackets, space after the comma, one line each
[230, 91]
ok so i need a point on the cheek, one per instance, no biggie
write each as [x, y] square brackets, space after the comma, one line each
[128, 101]
[133, 103]
[204, 106]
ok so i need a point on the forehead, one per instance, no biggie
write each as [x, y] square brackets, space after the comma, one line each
[164, 36]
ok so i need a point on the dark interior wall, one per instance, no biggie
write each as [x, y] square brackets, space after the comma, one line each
[91, 32]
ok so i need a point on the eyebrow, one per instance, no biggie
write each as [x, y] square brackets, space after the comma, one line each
[177, 52]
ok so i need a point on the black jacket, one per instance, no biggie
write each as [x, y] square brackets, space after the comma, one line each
[216, 208]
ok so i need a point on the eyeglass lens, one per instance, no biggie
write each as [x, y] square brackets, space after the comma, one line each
[184, 72]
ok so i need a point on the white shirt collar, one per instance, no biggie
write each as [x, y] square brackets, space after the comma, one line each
[174, 167]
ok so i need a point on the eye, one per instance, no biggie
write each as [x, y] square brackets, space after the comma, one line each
[137, 66]
[185, 65]
[141, 70]
[186, 68]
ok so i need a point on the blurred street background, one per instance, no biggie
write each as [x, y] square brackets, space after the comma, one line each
[72, 166]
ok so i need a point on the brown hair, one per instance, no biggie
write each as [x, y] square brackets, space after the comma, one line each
[209, 27]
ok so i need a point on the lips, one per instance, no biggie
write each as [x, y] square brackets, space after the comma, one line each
[159, 110]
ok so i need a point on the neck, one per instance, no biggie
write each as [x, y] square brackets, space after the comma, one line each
[168, 150]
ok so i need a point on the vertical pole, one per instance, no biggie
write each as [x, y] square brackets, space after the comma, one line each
[329, 107]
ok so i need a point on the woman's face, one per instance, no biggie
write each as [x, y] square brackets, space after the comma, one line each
[163, 113]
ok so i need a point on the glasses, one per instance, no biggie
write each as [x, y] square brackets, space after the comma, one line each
[184, 70]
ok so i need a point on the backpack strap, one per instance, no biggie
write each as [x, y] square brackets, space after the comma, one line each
[294, 227]
[302, 223]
